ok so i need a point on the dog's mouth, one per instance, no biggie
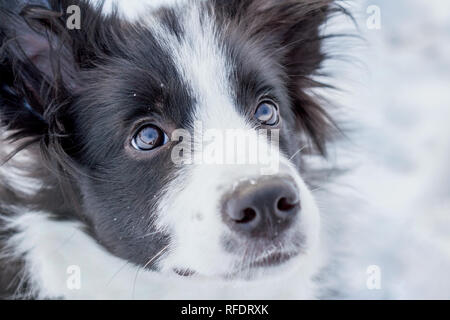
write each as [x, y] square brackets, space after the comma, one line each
[184, 272]
[268, 261]
[273, 259]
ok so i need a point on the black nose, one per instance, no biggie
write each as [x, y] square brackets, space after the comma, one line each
[263, 208]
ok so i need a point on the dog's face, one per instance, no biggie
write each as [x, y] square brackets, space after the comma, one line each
[152, 111]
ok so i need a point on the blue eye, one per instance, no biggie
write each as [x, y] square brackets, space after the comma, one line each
[267, 113]
[149, 138]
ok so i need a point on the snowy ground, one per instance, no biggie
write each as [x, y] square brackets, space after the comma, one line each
[397, 100]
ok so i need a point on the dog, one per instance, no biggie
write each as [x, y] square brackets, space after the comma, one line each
[104, 194]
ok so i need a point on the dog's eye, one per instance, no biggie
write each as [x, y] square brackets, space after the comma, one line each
[149, 138]
[267, 113]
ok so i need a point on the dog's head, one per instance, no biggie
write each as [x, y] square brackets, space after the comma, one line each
[181, 134]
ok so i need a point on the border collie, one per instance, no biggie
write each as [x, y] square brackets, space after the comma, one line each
[93, 203]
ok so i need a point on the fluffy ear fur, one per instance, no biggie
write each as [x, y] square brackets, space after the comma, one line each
[38, 70]
[40, 64]
[290, 29]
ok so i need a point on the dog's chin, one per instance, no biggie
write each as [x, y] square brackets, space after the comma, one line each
[264, 267]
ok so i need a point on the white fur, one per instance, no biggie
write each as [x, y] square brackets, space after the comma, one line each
[132, 10]
[16, 176]
[50, 247]
[14, 172]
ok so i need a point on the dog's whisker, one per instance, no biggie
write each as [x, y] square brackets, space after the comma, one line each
[144, 236]
[317, 189]
[117, 272]
[297, 152]
[150, 234]
[146, 265]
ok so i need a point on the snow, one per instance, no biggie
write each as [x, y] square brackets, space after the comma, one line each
[394, 205]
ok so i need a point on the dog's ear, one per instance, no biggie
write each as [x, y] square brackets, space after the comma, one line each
[38, 70]
[289, 30]
[290, 25]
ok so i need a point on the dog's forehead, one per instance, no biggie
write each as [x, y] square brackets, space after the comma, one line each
[132, 10]
[192, 37]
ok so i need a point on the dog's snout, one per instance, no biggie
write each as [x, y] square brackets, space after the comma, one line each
[262, 209]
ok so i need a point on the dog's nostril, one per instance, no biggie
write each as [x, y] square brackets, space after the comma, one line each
[285, 205]
[247, 215]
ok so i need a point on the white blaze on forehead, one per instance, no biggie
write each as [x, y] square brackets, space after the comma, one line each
[203, 66]
[132, 10]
